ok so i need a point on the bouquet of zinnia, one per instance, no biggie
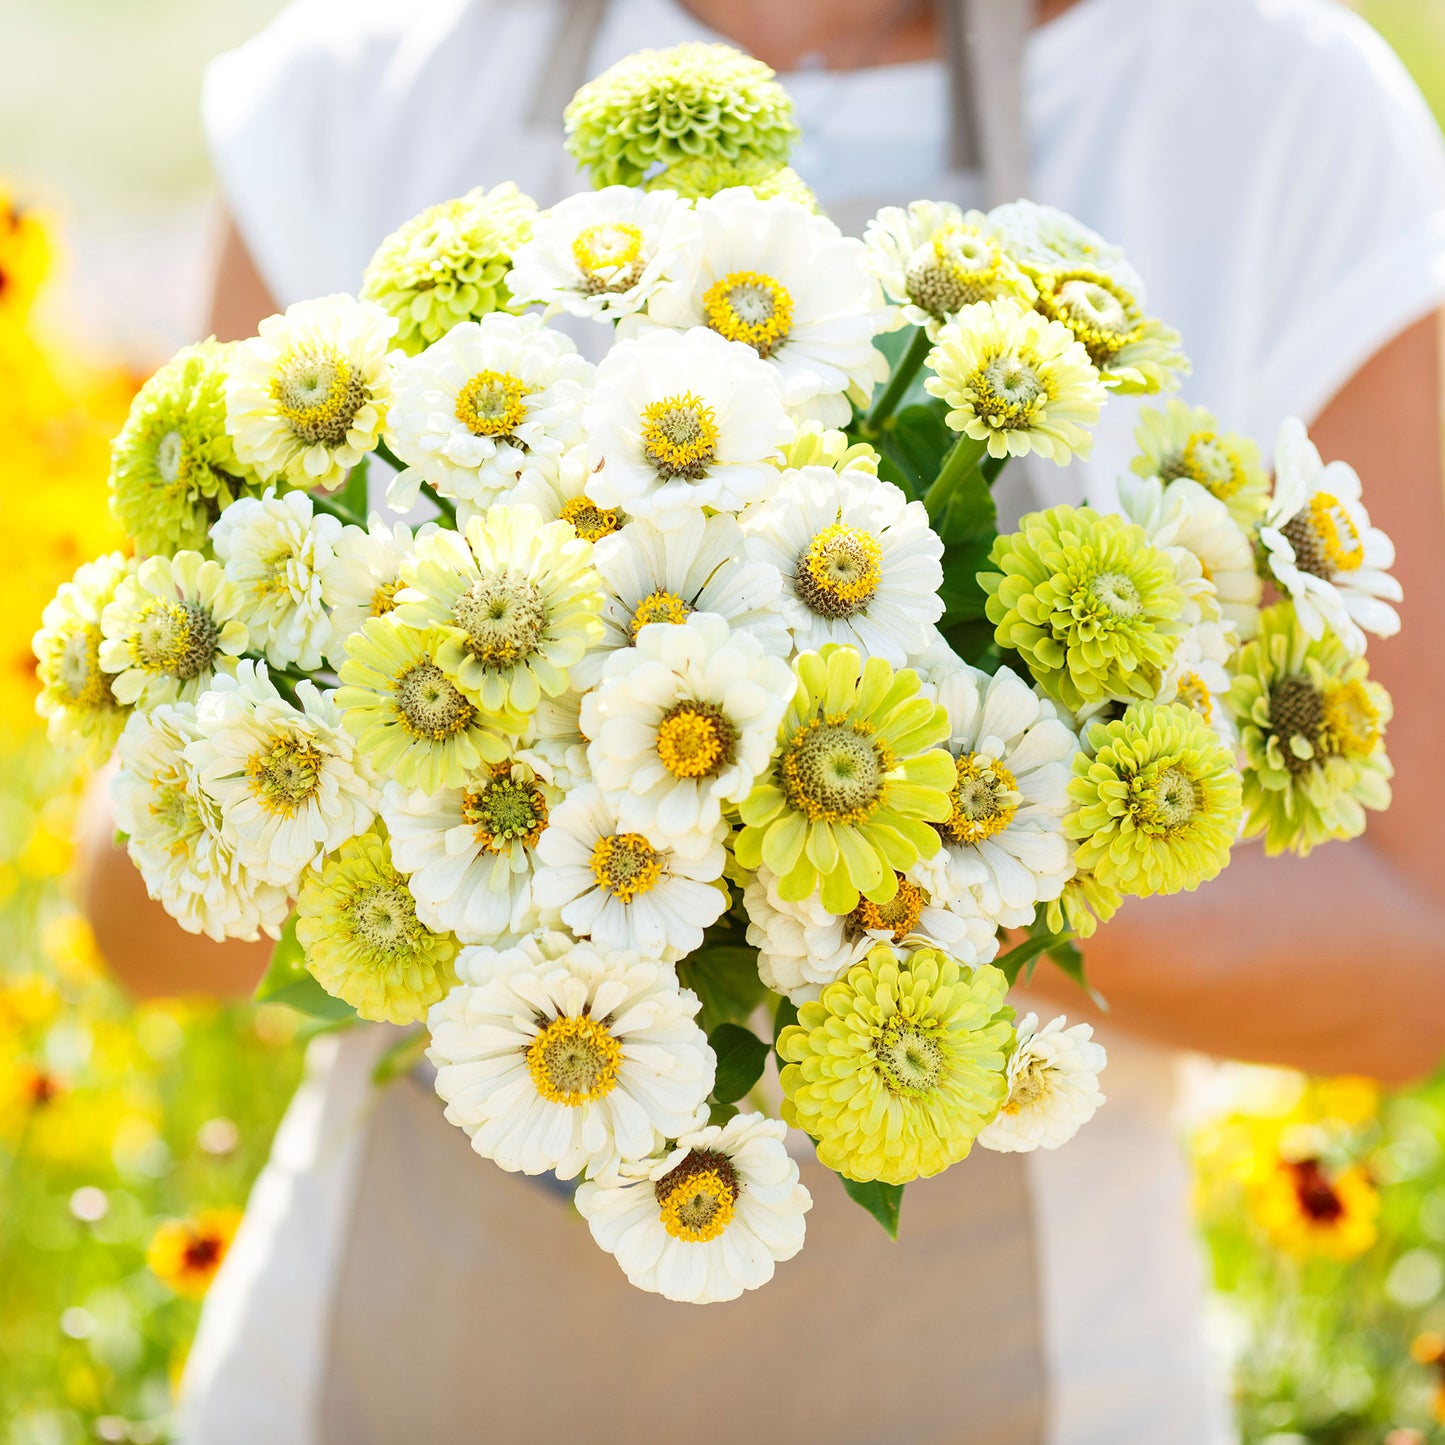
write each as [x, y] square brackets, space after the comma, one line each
[689, 707]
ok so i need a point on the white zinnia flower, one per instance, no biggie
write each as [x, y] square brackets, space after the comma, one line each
[652, 576]
[1052, 240]
[682, 723]
[708, 1219]
[553, 743]
[1200, 674]
[933, 259]
[788, 283]
[552, 1057]
[490, 404]
[1322, 550]
[802, 947]
[1053, 1078]
[563, 498]
[471, 851]
[176, 837]
[1183, 514]
[306, 399]
[174, 625]
[601, 254]
[683, 421]
[363, 574]
[290, 782]
[859, 562]
[275, 550]
[623, 889]
[1005, 838]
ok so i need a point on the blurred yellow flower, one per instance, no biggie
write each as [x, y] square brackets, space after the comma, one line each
[1306, 1209]
[186, 1253]
[27, 252]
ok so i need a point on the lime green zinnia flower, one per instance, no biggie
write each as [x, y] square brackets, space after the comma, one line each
[814, 445]
[661, 106]
[697, 177]
[1185, 441]
[1312, 727]
[899, 1064]
[449, 264]
[173, 467]
[1084, 904]
[1156, 801]
[407, 715]
[857, 783]
[1092, 608]
[356, 919]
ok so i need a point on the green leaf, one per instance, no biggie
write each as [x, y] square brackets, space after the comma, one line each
[963, 598]
[973, 641]
[720, 1113]
[882, 1201]
[725, 978]
[1027, 954]
[352, 495]
[287, 980]
[787, 1014]
[402, 1057]
[741, 1057]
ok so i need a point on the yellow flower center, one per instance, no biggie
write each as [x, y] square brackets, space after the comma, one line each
[908, 1057]
[318, 392]
[658, 606]
[1100, 313]
[505, 810]
[698, 1198]
[750, 307]
[1031, 1084]
[178, 639]
[383, 600]
[609, 256]
[590, 521]
[984, 799]
[695, 740]
[1325, 539]
[503, 617]
[839, 572]
[1165, 801]
[1351, 724]
[899, 916]
[1209, 460]
[79, 678]
[835, 771]
[626, 865]
[955, 267]
[679, 436]
[1194, 693]
[492, 404]
[1009, 393]
[284, 776]
[574, 1060]
[429, 706]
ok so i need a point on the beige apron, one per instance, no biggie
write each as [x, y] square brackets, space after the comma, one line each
[473, 1306]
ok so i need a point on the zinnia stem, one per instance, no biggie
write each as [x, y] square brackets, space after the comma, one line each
[898, 383]
[965, 456]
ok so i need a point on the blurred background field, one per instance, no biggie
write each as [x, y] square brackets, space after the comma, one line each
[129, 1136]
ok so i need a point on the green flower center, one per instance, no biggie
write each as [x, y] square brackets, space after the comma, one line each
[430, 705]
[697, 1199]
[178, 639]
[1008, 393]
[1102, 316]
[1116, 594]
[985, 800]
[318, 392]
[504, 811]
[680, 435]
[492, 404]
[574, 1060]
[695, 740]
[839, 572]
[1166, 802]
[285, 776]
[383, 919]
[955, 267]
[504, 618]
[834, 771]
[171, 457]
[908, 1057]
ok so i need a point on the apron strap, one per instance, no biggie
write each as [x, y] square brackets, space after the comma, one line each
[567, 68]
[984, 44]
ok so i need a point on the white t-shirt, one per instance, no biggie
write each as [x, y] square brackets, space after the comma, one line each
[1277, 180]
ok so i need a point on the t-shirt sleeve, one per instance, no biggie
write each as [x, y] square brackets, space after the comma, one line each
[1353, 210]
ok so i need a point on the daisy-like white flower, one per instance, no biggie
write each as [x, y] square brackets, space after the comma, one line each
[306, 398]
[683, 421]
[1200, 675]
[176, 837]
[491, 403]
[1183, 514]
[1016, 380]
[471, 851]
[625, 890]
[562, 497]
[1186, 441]
[82, 713]
[682, 723]
[289, 780]
[276, 549]
[787, 282]
[859, 562]
[171, 628]
[517, 599]
[1053, 1087]
[802, 947]
[1321, 549]
[362, 576]
[1048, 239]
[933, 259]
[553, 743]
[706, 1220]
[653, 576]
[552, 1056]
[601, 254]
[1004, 836]
[407, 715]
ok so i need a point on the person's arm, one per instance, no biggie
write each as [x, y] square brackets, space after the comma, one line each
[145, 948]
[1334, 963]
